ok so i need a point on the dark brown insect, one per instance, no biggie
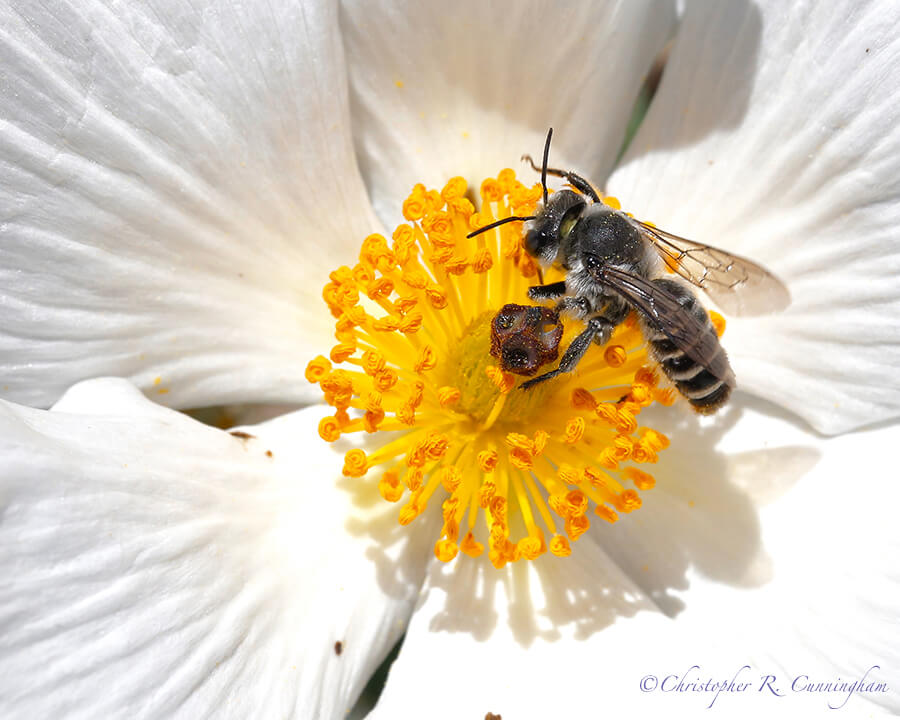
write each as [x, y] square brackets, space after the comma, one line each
[525, 337]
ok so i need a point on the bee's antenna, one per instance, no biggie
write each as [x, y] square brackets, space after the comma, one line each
[544, 164]
[510, 219]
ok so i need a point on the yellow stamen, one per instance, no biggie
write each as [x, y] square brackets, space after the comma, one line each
[413, 324]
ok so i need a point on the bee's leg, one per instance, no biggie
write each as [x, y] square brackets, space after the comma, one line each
[576, 181]
[580, 306]
[547, 292]
[614, 314]
[576, 349]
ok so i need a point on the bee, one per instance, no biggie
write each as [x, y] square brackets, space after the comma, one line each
[613, 266]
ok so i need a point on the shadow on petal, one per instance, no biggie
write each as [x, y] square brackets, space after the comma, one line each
[702, 515]
[711, 38]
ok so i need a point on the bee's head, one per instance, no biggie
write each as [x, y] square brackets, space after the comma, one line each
[553, 223]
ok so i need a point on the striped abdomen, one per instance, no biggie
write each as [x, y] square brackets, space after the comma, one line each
[706, 385]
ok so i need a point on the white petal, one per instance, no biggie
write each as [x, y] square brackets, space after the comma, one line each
[176, 180]
[154, 566]
[776, 548]
[466, 88]
[776, 133]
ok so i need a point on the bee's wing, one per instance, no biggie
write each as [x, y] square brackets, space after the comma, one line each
[665, 312]
[738, 285]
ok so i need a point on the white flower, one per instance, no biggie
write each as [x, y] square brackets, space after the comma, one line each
[175, 180]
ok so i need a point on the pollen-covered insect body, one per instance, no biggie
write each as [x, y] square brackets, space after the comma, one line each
[525, 337]
[612, 265]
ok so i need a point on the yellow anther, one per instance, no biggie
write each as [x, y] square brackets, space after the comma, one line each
[608, 458]
[418, 392]
[411, 324]
[583, 400]
[386, 324]
[448, 396]
[451, 477]
[641, 480]
[506, 179]
[436, 446]
[342, 275]
[372, 362]
[615, 356]
[655, 439]
[607, 413]
[623, 446]
[568, 474]
[404, 304]
[404, 244]
[456, 265]
[718, 322]
[461, 205]
[576, 503]
[576, 526]
[503, 380]
[521, 458]
[380, 289]
[434, 201]
[486, 494]
[416, 455]
[483, 261]
[436, 297]
[416, 279]
[607, 513]
[363, 274]
[470, 547]
[647, 376]
[498, 507]
[372, 419]
[455, 188]
[386, 379]
[413, 478]
[559, 546]
[390, 488]
[612, 202]
[626, 421]
[329, 429]
[414, 207]
[574, 430]
[341, 352]
[641, 394]
[355, 463]
[317, 368]
[529, 548]
[439, 228]
[355, 315]
[628, 501]
[491, 191]
[426, 360]
[487, 460]
[407, 414]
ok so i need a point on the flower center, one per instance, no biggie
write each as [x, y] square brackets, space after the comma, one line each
[413, 323]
